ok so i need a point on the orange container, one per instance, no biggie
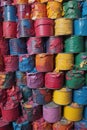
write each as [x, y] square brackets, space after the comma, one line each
[38, 10]
[20, 2]
[44, 62]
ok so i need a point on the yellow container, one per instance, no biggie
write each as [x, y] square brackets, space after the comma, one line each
[54, 9]
[64, 61]
[59, 0]
[73, 112]
[62, 96]
[63, 26]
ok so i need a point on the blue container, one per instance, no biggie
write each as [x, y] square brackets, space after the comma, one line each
[80, 27]
[26, 92]
[80, 96]
[81, 125]
[26, 63]
[17, 46]
[85, 112]
[22, 125]
[84, 9]
[10, 13]
[25, 28]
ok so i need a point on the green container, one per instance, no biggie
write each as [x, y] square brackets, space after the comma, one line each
[81, 61]
[71, 9]
[74, 44]
[75, 79]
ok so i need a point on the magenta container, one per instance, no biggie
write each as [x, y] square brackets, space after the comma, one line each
[51, 112]
[11, 63]
[35, 80]
[23, 11]
[44, 27]
[54, 45]
[4, 48]
[34, 45]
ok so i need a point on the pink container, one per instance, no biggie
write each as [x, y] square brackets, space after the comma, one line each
[1, 30]
[44, 27]
[4, 49]
[9, 29]
[23, 11]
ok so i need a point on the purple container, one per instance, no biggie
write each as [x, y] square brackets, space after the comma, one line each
[25, 28]
[35, 80]
[34, 45]
[54, 45]
[51, 112]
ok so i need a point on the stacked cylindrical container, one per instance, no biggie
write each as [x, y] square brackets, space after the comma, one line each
[43, 65]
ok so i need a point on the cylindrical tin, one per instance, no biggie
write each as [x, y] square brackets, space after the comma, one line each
[63, 26]
[74, 44]
[81, 125]
[72, 77]
[2, 67]
[72, 9]
[54, 80]
[11, 63]
[44, 62]
[35, 80]
[38, 10]
[32, 110]
[54, 9]
[81, 61]
[26, 63]
[6, 2]
[73, 112]
[23, 11]
[10, 112]
[26, 93]
[9, 29]
[35, 45]
[80, 96]
[1, 30]
[84, 9]
[42, 96]
[17, 2]
[51, 112]
[63, 124]
[44, 27]
[9, 12]
[54, 45]
[5, 125]
[62, 96]
[4, 48]
[7, 80]
[21, 78]
[25, 28]
[80, 26]
[41, 124]
[17, 46]
[64, 61]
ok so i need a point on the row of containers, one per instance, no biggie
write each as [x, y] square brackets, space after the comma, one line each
[70, 9]
[51, 45]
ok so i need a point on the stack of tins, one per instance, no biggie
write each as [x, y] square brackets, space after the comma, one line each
[43, 65]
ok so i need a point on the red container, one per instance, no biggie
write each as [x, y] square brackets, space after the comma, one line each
[44, 27]
[5, 125]
[11, 111]
[4, 49]
[11, 63]
[23, 11]
[54, 80]
[9, 29]
[1, 30]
